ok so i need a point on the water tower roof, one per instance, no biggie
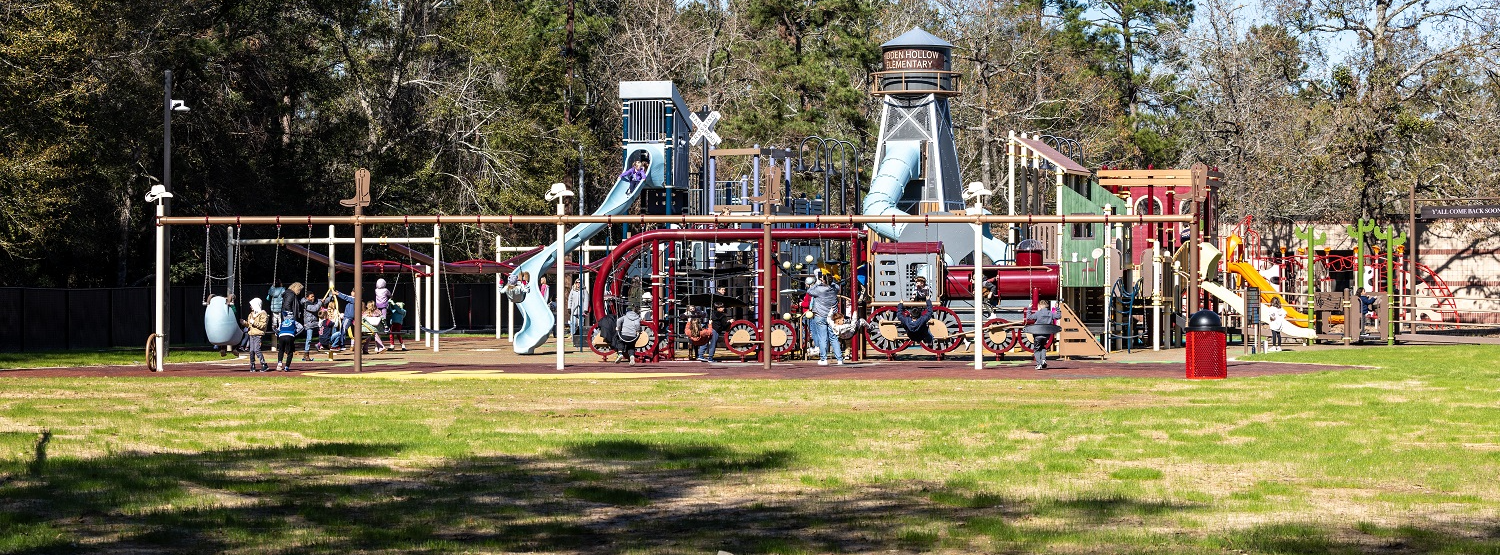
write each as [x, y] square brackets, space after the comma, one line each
[916, 37]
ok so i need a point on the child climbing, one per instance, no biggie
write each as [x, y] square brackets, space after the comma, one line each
[382, 296]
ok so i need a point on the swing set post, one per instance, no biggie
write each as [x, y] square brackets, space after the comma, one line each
[358, 203]
[437, 268]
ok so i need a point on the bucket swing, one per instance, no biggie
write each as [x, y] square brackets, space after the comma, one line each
[220, 326]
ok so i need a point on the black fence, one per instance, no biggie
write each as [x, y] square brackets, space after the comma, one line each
[36, 319]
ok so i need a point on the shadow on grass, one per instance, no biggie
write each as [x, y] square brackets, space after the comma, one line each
[599, 497]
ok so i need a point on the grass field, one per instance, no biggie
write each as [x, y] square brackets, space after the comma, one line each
[105, 357]
[1397, 459]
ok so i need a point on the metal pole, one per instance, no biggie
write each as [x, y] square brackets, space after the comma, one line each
[557, 285]
[498, 282]
[357, 343]
[164, 209]
[935, 218]
[1010, 183]
[437, 299]
[330, 258]
[583, 292]
[1411, 260]
[1195, 235]
[229, 268]
[827, 168]
[160, 317]
[755, 171]
[417, 306]
[768, 295]
[1156, 284]
[976, 284]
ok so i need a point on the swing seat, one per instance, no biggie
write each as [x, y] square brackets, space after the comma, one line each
[938, 330]
[891, 330]
[438, 332]
[220, 325]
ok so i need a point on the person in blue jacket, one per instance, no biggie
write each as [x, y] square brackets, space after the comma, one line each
[286, 337]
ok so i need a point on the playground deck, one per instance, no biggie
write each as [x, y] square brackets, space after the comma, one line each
[472, 358]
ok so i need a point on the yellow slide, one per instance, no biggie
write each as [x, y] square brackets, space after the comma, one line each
[1267, 291]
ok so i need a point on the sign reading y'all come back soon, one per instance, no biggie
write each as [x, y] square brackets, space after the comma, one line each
[1442, 212]
[911, 58]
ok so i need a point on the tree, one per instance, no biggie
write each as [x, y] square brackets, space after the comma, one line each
[1389, 93]
[813, 58]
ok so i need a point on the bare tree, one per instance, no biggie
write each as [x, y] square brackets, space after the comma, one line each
[1386, 92]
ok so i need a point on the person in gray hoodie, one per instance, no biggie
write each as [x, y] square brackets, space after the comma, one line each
[628, 328]
[308, 309]
[824, 299]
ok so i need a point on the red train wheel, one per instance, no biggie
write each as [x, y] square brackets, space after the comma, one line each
[947, 331]
[648, 344]
[999, 341]
[741, 338]
[1030, 346]
[783, 338]
[598, 345]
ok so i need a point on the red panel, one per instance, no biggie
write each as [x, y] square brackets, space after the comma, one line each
[1014, 283]
[907, 248]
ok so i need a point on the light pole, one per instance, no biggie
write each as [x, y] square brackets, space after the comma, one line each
[821, 155]
[976, 192]
[559, 193]
[161, 194]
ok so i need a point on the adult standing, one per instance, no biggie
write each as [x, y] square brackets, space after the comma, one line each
[824, 299]
[576, 313]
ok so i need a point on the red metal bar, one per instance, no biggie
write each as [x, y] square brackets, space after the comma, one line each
[608, 263]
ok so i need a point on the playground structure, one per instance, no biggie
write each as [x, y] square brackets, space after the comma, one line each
[915, 212]
[1121, 252]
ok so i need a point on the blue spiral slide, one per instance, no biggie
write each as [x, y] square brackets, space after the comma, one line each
[537, 319]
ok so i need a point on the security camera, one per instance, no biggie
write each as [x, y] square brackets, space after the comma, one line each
[180, 106]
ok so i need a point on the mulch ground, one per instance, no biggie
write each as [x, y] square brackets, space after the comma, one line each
[883, 370]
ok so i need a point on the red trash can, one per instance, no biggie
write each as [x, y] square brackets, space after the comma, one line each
[1207, 356]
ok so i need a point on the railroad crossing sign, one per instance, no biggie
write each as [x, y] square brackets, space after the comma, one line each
[703, 128]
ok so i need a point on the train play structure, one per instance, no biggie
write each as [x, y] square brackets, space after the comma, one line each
[1142, 249]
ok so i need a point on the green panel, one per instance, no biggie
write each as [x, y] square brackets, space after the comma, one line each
[1087, 272]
